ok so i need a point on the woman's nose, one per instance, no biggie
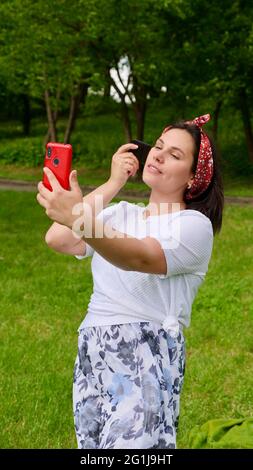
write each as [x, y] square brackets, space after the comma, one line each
[159, 156]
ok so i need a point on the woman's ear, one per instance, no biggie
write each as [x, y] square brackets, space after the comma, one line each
[190, 182]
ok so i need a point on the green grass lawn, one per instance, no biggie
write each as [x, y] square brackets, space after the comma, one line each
[44, 295]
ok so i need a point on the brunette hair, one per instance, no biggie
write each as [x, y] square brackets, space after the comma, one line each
[211, 201]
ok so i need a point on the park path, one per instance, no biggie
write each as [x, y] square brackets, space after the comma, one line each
[18, 185]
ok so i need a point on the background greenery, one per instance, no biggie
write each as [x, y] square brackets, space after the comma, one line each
[97, 73]
[97, 137]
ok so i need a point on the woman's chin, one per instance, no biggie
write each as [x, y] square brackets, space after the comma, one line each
[145, 181]
[150, 181]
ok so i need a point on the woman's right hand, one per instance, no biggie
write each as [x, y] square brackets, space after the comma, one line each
[124, 164]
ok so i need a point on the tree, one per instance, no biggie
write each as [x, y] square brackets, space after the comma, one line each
[45, 54]
[132, 34]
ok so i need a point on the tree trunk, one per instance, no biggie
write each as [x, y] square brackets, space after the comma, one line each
[215, 120]
[26, 115]
[75, 102]
[124, 110]
[140, 107]
[107, 87]
[126, 121]
[50, 118]
[243, 103]
[140, 113]
[47, 137]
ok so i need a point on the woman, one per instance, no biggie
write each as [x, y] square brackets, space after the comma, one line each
[130, 365]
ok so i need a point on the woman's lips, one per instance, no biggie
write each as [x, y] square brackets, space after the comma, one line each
[153, 170]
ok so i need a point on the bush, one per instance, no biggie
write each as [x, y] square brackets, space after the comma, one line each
[24, 151]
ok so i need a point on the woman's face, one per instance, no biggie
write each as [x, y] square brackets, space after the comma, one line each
[172, 155]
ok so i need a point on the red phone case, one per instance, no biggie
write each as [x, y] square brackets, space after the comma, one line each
[58, 159]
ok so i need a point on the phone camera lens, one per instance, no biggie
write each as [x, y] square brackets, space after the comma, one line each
[56, 161]
[49, 151]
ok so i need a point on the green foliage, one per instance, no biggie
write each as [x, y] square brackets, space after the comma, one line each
[57, 45]
[99, 133]
[24, 151]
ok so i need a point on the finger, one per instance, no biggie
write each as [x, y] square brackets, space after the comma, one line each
[134, 168]
[130, 155]
[42, 201]
[125, 147]
[52, 179]
[129, 163]
[43, 190]
[130, 169]
[128, 159]
[73, 181]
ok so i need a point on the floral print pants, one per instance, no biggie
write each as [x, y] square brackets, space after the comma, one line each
[126, 386]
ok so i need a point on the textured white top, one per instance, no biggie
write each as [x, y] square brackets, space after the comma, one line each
[121, 296]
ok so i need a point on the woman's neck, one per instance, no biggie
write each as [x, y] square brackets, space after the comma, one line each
[163, 208]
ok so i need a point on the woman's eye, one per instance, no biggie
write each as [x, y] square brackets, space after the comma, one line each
[156, 147]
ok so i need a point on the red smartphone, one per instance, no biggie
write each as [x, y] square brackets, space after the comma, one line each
[58, 159]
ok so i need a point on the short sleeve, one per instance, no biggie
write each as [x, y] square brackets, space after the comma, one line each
[89, 252]
[105, 214]
[187, 244]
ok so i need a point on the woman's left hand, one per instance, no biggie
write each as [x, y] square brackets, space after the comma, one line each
[59, 203]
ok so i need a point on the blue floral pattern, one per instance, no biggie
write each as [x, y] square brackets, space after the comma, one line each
[126, 386]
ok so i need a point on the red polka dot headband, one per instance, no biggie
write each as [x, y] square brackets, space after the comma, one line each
[204, 170]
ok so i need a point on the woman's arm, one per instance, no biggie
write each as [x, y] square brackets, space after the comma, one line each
[122, 250]
[60, 237]
[124, 163]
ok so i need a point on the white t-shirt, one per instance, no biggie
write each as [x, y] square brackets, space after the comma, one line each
[121, 296]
